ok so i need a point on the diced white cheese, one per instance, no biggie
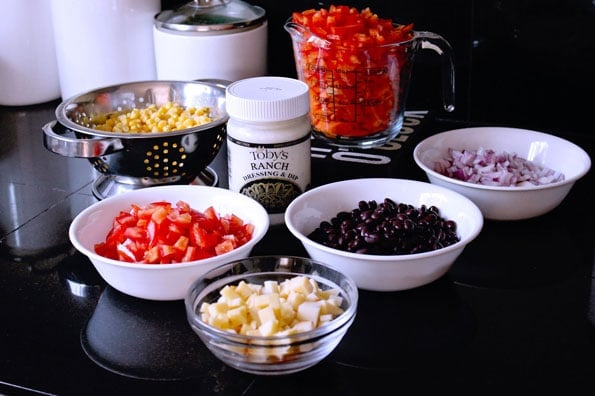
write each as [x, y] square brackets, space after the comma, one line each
[217, 308]
[231, 296]
[244, 290]
[268, 328]
[309, 311]
[270, 287]
[295, 299]
[302, 326]
[300, 284]
[286, 312]
[272, 308]
[266, 314]
[238, 316]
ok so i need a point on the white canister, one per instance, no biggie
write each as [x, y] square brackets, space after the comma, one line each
[211, 39]
[268, 141]
[100, 43]
[28, 68]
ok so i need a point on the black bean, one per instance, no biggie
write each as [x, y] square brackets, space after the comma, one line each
[387, 228]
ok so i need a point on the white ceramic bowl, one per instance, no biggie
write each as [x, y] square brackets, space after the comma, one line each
[507, 203]
[383, 272]
[162, 281]
[272, 354]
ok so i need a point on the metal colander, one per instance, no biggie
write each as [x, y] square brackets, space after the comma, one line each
[141, 158]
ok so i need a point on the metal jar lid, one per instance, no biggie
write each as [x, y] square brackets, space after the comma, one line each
[211, 16]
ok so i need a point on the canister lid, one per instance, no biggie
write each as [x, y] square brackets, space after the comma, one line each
[267, 99]
[211, 16]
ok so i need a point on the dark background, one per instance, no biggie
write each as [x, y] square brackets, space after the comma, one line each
[522, 63]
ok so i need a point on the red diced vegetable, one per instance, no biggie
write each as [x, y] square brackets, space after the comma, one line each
[161, 233]
[359, 47]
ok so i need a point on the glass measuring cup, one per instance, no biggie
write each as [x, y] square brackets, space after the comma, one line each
[357, 96]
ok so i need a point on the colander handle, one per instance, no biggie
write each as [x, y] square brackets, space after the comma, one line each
[79, 148]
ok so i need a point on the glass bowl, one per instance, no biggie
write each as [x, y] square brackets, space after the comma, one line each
[279, 353]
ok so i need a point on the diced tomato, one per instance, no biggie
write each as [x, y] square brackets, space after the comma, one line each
[159, 214]
[125, 219]
[168, 253]
[161, 233]
[127, 251]
[183, 207]
[203, 237]
[248, 230]
[145, 213]
[182, 243]
[152, 232]
[152, 255]
[102, 249]
[135, 232]
[190, 254]
[211, 214]
[224, 247]
[180, 218]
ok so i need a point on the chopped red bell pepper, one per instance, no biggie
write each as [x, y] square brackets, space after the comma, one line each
[352, 85]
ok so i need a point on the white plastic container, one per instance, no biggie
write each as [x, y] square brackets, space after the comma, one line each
[268, 141]
[214, 39]
[100, 43]
[28, 68]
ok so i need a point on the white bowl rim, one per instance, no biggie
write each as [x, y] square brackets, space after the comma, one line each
[256, 237]
[567, 180]
[390, 258]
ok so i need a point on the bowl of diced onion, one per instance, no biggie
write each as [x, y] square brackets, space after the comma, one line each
[272, 315]
[510, 173]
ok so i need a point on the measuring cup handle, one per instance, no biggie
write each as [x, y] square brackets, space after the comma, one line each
[438, 44]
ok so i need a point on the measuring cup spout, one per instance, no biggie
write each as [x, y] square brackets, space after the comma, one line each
[300, 33]
[295, 29]
[438, 44]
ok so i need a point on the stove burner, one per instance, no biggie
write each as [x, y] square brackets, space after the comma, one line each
[106, 186]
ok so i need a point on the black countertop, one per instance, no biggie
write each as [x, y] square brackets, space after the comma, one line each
[516, 309]
[515, 313]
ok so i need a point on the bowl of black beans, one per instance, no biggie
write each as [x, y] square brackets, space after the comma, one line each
[387, 234]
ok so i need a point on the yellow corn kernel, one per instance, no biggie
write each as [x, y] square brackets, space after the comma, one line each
[167, 117]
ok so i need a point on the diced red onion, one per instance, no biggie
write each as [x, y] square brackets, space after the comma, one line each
[488, 167]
